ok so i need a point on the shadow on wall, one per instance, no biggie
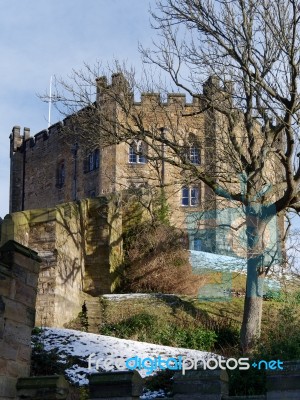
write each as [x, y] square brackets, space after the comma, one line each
[80, 244]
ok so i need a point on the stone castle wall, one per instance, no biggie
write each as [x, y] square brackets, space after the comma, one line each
[36, 161]
[81, 250]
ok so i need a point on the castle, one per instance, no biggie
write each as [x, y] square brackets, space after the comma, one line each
[55, 167]
[66, 181]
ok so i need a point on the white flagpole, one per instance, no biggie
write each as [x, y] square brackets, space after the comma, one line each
[50, 100]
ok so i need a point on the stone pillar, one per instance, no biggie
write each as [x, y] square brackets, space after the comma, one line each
[284, 384]
[119, 385]
[42, 387]
[200, 385]
[19, 267]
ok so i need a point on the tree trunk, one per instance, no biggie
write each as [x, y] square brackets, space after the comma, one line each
[251, 324]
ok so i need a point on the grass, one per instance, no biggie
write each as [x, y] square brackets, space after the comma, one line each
[184, 321]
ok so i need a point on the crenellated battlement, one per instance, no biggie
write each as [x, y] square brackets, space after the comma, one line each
[119, 85]
[26, 141]
[47, 168]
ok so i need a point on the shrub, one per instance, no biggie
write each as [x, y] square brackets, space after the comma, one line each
[157, 261]
[282, 341]
[274, 295]
[43, 362]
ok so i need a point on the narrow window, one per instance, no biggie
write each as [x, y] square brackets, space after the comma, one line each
[195, 155]
[60, 174]
[185, 196]
[91, 161]
[194, 196]
[132, 154]
[142, 153]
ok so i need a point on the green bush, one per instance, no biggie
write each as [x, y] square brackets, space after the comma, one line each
[43, 362]
[274, 295]
[283, 340]
[247, 383]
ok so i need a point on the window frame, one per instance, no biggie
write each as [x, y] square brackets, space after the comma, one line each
[195, 155]
[137, 153]
[92, 161]
[190, 196]
[60, 174]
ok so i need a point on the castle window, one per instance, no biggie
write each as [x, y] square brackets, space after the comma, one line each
[137, 153]
[92, 161]
[194, 155]
[190, 196]
[132, 155]
[60, 175]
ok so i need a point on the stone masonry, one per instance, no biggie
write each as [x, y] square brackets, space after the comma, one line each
[55, 167]
[81, 250]
[19, 268]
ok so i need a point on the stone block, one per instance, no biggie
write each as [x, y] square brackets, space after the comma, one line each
[42, 387]
[16, 332]
[18, 368]
[7, 388]
[113, 385]
[5, 283]
[32, 279]
[3, 366]
[284, 384]
[25, 294]
[8, 351]
[24, 353]
[42, 215]
[15, 311]
[200, 385]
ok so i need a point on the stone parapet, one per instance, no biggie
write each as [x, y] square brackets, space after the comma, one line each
[200, 385]
[42, 387]
[284, 384]
[120, 385]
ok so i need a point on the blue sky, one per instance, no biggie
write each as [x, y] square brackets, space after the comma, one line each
[40, 38]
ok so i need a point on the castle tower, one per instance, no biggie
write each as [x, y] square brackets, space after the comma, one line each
[17, 168]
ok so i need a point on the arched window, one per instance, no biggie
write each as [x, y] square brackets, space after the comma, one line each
[137, 152]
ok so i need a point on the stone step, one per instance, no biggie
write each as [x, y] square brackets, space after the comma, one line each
[94, 311]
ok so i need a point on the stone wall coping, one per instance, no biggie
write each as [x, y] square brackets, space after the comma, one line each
[37, 382]
[13, 246]
[115, 376]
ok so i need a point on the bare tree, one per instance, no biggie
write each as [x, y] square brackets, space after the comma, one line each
[253, 48]
[246, 53]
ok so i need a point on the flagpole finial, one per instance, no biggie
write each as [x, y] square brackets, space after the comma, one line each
[49, 103]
